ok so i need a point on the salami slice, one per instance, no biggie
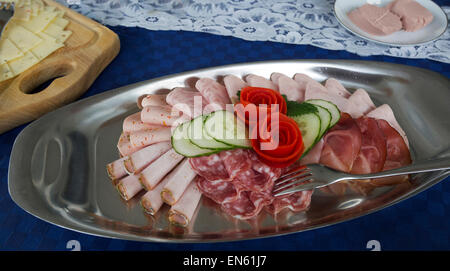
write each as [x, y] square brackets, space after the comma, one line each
[219, 191]
[296, 202]
[209, 167]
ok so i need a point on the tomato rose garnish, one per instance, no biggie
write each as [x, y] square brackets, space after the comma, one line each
[258, 97]
[277, 140]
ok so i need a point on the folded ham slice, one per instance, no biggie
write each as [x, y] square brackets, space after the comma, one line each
[124, 145]
[156, 171]
[291, 88]
[215, 94]
[133, 123]
[140, 159]
[187, 100]
[259, 81]
[180, 178]
[129, 186]
[182, 211]
[359, 103]
[233, 84]
[385, 112]
[150, 136]
[160, 115]
[334, 86]
[151, 99]
[116, 169]
[315, 90]
[151, 201]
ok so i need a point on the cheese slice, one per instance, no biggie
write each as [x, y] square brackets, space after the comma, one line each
[39, 22]
[22, 63]
[48, 46]
[21, 37]
[60, 22]
[8, 51]
[5, 72]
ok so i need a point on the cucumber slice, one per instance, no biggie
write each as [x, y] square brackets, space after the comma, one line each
[183, 146]
[325, 119]
[331, 107]
[198, 136]
[309, 124]
[224, 127]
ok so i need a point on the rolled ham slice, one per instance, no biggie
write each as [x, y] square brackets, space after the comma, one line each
[182, 211]
[150, 136]
[151, 201]
[140, 159]
[124, 145]
[359, 103]
[160, 115]
[385, 112]
[233, 84]
[187, 100]
[116, 169]
[259, 81]
[128, 187]
[133, 123]
[334, 86]
[214, 93]
[156, 171]
[151, 99]
[180, 178]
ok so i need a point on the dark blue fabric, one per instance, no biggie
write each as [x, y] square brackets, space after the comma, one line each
[419, 223]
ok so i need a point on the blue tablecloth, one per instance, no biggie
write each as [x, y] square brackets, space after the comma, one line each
[419, 223]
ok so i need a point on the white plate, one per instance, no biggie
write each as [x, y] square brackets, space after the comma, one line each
[427, 34]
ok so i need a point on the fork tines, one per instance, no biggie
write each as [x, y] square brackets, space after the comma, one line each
[293, 178]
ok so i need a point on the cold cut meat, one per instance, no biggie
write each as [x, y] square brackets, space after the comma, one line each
[143, 138]
[233, 84]
[359, 103]
[160, 115]
[152, 99]
[334, 86]
[210, 167]
[151, 201]
[156, 171]
[299, 201]
[259, 81]
[133, 123]
[291, 88]
[116, 169]
[186, 100]
[182, 211]
[180, 178]
[214, 93]
[140, 159]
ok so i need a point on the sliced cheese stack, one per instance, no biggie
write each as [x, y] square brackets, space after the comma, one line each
[33, 33]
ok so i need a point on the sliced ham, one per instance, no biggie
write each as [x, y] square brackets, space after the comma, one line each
[151, 99]
[156, 171]
[124, 145]
[259, 81]
[182, 211]
[299, 201]
[129, 186]
[291, 88]
[274, 77]
[315, 90]
[214, 93]
[313, 156]
[180, 178]
[187, 100]
[359, 103]
[342, 144]
[372, 155]
[116, 169]
[378, 21]
[334, 86]
[151, 201]
[385, 112]
[133, 123]
[233, 84]
[303, 79]
[140, 159]
[143, 138]
[160, 115]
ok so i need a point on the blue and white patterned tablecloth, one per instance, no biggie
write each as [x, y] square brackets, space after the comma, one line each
[310, 22]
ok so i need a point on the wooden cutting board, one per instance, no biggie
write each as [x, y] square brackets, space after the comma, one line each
[71, 70]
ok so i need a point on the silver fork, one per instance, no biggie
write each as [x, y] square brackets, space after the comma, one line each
[6, 12]
[315, 176]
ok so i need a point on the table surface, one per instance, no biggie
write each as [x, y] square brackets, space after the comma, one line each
[418, 223]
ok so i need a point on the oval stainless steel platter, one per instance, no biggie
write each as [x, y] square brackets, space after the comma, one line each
[57, 166]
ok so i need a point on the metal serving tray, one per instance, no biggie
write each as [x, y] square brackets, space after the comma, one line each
[57, 167]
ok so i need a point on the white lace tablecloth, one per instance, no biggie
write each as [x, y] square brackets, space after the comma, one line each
[309, 22]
